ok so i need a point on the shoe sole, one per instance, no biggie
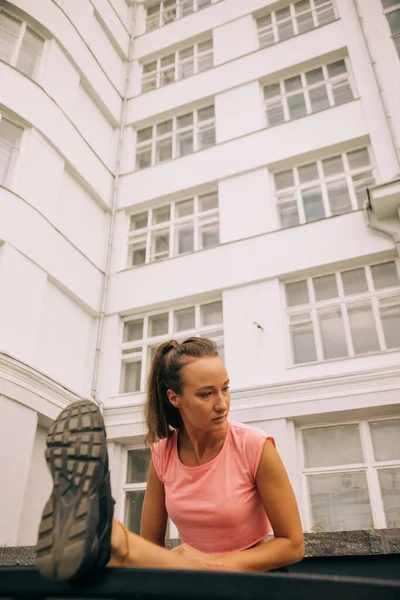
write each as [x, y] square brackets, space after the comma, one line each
[76, 455]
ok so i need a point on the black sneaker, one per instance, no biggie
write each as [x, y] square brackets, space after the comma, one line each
[75, 531]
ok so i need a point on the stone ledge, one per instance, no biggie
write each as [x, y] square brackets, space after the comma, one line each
[337, 543]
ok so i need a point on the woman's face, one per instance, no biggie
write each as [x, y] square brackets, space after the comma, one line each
[205, 399]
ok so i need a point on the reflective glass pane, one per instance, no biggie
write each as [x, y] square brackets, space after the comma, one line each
[390, 318]
[314, 76]
[30, 51]
[158, 325]
[163, 150]
[292, 84]
[354, 281]
[308, 172]
[184, 319]
[385, 275]
[337, 68]
[361, 182]
[339, 197]
[204, 114]
[288, 213]
[272, 91]
[209, 235]
[138, 221]
[340, 501]
[162, 214]
[284, 180]
[133, 330]
[386, 439]
[210, 314]
[332, 332]
[131, 377]
[313, 204]
[208, 202]
[275, 113]
[333, 166]
[297, 105]
[133, 510]
[185, 238]
[319, 98]
[144, 135]
[325, 287]
[138, 465]
[185, 121]
[297, 293]
[363, 329]
[143, 159]
[341, 445]
[358, 158]
[138, 254]
[184, 143]
[303, 342]
[184, 208]
[394, 21]
[389, 480]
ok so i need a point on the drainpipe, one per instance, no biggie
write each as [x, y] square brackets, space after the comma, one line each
[107, 272]
[372, 223]
[378, 83]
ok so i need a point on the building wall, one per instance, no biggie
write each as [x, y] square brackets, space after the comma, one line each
[61, 189]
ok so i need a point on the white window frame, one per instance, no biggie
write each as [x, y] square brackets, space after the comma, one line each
[177, 6]
[370, 466]
[197, 127]
[293, 195]
[140, 350]
[12, 167]
[395, 36]
[328, 83]
[273, 26]
[198, 219]
[171, 531]
[155, 75]
[372, 295]
[17, 48]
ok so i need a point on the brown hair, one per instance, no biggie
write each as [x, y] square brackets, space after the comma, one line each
[164, 375]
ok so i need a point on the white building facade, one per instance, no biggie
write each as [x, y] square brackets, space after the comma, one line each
[199, 167]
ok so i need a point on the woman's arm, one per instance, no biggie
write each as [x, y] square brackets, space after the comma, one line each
[280, 505]
[154, 514]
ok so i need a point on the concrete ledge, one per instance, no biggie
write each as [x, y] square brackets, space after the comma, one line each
[337, 543]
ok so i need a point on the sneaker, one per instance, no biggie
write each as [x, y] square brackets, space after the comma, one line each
[75, 530]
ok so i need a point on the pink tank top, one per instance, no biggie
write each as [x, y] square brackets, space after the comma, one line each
[216, 506]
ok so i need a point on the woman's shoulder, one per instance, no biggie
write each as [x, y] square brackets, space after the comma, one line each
[245, 432]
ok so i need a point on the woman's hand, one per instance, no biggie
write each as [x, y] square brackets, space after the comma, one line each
[207, 562]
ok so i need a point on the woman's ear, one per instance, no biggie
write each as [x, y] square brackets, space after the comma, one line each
[173, 398]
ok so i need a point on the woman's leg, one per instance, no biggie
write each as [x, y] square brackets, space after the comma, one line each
[131, 550]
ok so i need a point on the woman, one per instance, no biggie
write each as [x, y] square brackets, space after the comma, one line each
[221, 482]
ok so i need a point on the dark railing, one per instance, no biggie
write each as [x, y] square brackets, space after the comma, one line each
[371, 578]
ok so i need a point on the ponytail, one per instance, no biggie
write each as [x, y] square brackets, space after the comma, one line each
[161, 417]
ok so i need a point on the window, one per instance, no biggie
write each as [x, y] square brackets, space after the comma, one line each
[353, 475]
[138, 462]
[307, 93]
[165, 12]
[135, 487]
[324, 188]
[20, 46]
[297, 18]
[174, 229]
[343, 314]
[178, 65]
[142, 336]
[392, 12]
[10, 141]
[175, 137]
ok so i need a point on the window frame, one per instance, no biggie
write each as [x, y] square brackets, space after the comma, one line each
[197, 218]
[373, 296]
[273, 27]
[147, 342]
[295, 191]
[370, 466]
[395, 36]
[176, 5]
[196, 127]
[328, 83]
[157, 73]
[17, 48]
